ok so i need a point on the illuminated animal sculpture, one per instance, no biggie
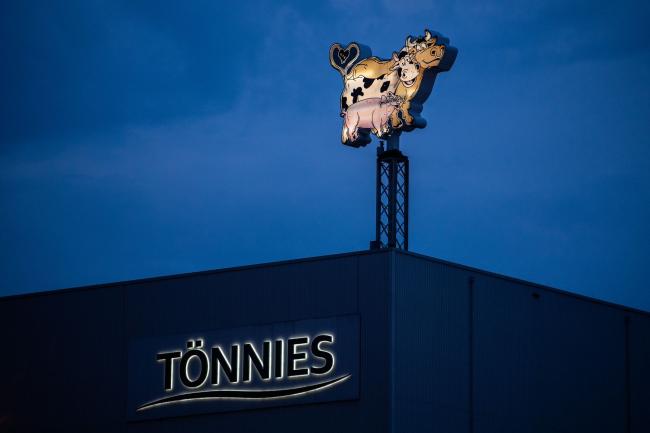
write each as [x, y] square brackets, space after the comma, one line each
[412, 67]
[371, 113]
[408, 74]
[371, 78]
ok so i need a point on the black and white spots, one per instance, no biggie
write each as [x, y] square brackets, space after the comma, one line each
[360, 88]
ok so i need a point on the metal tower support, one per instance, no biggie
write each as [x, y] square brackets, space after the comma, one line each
[392, 216]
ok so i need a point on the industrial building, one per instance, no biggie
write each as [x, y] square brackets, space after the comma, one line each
[372, 341]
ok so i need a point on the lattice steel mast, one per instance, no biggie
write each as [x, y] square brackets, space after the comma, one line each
[392, 197]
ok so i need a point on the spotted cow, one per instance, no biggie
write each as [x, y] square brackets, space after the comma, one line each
[372, 78]
[401, 76]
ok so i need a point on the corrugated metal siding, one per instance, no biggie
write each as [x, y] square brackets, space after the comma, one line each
[552, 364]
[639, 362]
[436, 355]
[431, 347]
[47, 335]
[276, 293]
[229, 299]
[63, 362]
[375, 380]
[540, 360]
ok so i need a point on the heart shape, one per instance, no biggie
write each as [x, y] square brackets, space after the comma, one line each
[343, 58]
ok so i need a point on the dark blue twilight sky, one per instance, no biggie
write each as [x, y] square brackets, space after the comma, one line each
[149, 138]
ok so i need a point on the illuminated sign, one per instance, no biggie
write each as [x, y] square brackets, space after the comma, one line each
[278, 364]
[385, 97]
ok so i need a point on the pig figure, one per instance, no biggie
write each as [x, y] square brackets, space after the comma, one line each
[371, 113]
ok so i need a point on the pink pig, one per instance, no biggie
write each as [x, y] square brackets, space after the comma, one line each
[371, 113]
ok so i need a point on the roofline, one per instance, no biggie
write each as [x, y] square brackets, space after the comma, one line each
[187, 274]
[527, 283]
[318, 258]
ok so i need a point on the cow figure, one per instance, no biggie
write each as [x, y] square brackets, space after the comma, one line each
[411, 66]
[371, 78]
[406, 77]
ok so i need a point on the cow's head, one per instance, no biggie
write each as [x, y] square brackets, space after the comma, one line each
[406, 66]
[420, 43]
[425, 50]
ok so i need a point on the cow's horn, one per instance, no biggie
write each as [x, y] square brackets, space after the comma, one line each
[427, 35]
[408, 42]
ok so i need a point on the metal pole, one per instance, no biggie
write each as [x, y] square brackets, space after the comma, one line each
[405, 208]
[376, 244]
[392, 203]
[391, 209]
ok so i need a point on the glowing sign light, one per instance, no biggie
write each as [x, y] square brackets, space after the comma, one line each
[385, 97]
[238, 366]
[267, 365]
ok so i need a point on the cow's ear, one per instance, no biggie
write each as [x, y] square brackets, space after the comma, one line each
[395, 57]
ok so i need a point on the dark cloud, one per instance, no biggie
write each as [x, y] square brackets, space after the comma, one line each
[76, 67]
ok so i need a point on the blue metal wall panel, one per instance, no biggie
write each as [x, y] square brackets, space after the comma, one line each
[639, 379]
[351, 284]
[50, 334]
[546, 362]
[435, 354]
[62, 362]
[375, 380]
[243, 297]
[431, 347]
